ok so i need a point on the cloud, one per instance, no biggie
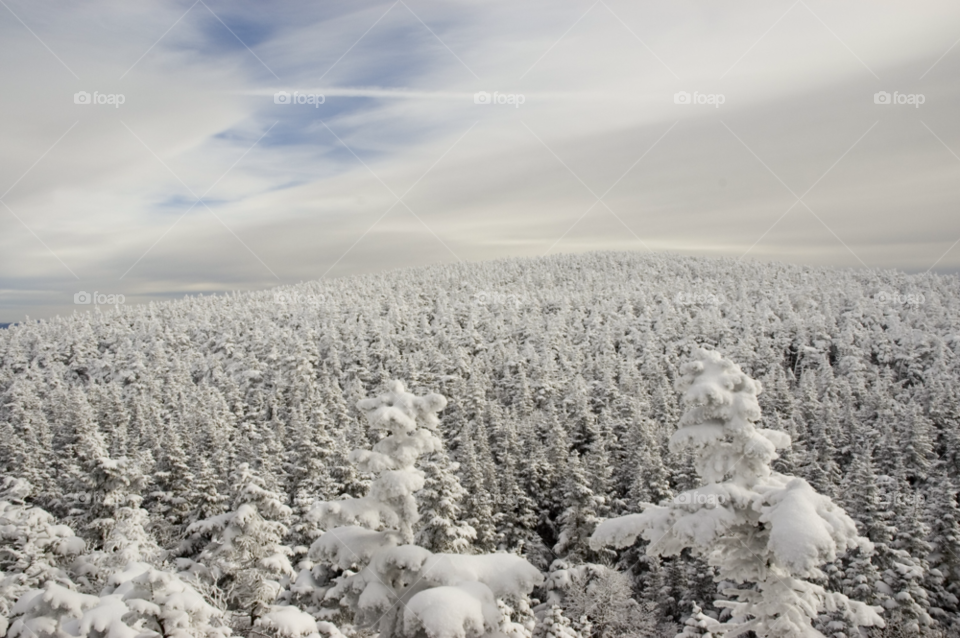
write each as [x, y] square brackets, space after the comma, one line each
[297, 191]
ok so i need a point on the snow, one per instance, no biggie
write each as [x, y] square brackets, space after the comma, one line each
[366, 511]
[806, 528]
[756, 526]
[505, 574]
[405, 557]
[69, 545]
[397, 484]
[375, 595]
[452, 612]
[447, 595]
[289, 622]
[622, 531]
[588, 358]
[61, 598]
[369, 461]
[107, 619]
[697, 434]
[158, 596]
[348, 546]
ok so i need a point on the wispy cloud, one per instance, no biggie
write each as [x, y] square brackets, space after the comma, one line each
[223, 178]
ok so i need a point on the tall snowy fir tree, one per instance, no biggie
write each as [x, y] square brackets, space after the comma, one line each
[441, 527]
[388, 582]
[245, 555]
[581, 509]
[766, 533]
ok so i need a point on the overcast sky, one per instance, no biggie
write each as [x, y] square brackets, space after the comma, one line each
[192, 176]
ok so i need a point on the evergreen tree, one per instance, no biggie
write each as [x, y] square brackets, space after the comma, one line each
[441, 527]
[478, 503]
[442, 595]
[944, 557]
[580, 515]
[246, 557]
[906, 574]
[776, 530]
[170, 500]
[555, 625]
[33, 549]
[309, 470]
[699, 625]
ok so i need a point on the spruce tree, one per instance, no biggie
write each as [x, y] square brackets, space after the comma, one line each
[245, 556]
[441, 527]
[766, 533]
[386, 582]
[944, 557]
[580, 515]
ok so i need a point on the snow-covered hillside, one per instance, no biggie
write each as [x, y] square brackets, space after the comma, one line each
[167, 420]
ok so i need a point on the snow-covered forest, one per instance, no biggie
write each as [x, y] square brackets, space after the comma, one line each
[539, 448]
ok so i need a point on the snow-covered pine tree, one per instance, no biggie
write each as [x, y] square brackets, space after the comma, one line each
[309, 468]
[765, 531]
[169, 501]
[651, 483]
[125, 535]
[580, 515]
[143, 599]
[478, 502]
[246, 557]
[905, 572]
[25, 436]
[555, 625]
[441, 527]
[119, 529]
[138, 601]
[33, 548]
[401, 588]
[607, 603]
[518, 516]
[699, 625]
[598, 600]
[945, 556]
[54, 611]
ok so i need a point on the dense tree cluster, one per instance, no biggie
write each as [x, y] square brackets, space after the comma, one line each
[193, 437]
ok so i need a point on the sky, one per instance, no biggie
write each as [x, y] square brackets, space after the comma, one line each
[153, 150]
